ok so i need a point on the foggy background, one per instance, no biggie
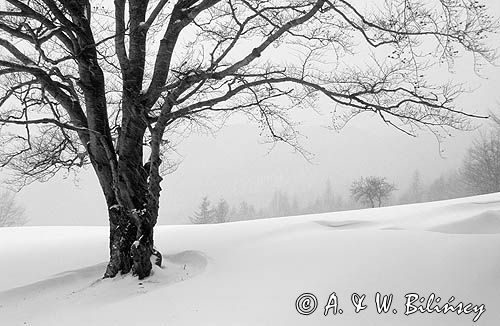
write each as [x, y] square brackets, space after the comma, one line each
[236, 164]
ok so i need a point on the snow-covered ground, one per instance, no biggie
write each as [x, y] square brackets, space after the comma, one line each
[251, 273]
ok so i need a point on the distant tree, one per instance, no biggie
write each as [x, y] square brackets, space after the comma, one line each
[205, 213]
[325, 202]
[314, 206]
[274, 206]
[448, 186]
[246, 211]
[339, 203]
[438, 189]
[11, 213]
[372, 190]
[280, 204]
[329, 202]
[481, 166]
[234, 213]
[252, 213]
[261, 213]
[295, 206]
[221, 212]
[415, 192]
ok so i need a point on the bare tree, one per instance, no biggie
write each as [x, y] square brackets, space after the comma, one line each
[481, 166]
[111, 85]
[11, 213]
[372, 190]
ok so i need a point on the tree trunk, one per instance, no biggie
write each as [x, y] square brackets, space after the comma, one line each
[131, 216]
[122, 235]
[131, 243]
[131, 221]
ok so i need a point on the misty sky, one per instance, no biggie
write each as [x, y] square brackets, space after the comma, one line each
[236, 165]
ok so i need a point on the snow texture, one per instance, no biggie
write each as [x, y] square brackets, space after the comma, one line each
[251, 273]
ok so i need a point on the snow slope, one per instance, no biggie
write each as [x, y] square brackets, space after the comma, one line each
[251, 273]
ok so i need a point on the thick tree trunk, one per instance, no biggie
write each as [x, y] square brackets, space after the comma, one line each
[131, 243]
[131, 216]
[142, 248]
[122, 234]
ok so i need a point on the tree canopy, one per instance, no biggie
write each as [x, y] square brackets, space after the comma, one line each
[372, 190]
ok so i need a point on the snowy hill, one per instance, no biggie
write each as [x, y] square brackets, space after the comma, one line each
[252, 273]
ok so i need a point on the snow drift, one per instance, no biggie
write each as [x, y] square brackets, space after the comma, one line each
[252, 273]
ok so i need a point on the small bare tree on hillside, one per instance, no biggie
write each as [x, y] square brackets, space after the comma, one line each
[372, 190]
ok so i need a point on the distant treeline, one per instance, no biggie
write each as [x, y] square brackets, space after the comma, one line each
[280, 204]
[478, 174]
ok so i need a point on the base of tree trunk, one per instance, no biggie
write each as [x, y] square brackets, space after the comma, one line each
[129, 250]
[141, 257]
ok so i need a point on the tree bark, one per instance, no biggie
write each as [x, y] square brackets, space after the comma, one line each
[121, 236]
[131, 242]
